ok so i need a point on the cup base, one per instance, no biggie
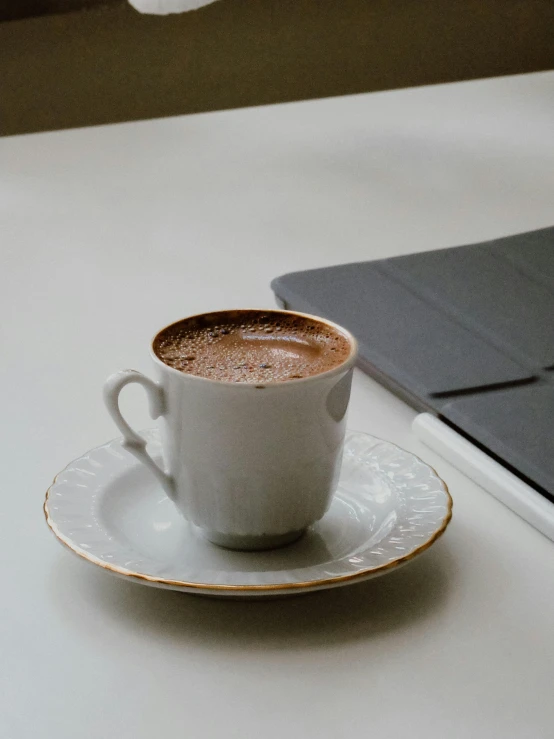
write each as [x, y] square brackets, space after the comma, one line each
[252, 543]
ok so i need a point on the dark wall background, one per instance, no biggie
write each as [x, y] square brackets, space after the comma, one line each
[15, 9]
[104, 62]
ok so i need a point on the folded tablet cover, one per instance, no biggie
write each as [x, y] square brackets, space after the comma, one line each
[467, 332]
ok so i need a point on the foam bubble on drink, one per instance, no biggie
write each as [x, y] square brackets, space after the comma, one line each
[247, 347]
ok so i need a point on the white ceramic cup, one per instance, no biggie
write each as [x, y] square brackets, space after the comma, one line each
[251, 465]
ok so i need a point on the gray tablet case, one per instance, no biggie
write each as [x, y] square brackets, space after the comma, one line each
[466, 332]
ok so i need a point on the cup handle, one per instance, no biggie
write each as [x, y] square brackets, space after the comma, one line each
[133, 442]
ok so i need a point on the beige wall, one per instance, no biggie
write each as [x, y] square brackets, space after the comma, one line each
[109, 63]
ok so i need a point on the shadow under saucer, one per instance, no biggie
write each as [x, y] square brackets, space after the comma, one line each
[342, 615]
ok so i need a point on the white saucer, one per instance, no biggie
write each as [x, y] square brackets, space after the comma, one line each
[107, 508]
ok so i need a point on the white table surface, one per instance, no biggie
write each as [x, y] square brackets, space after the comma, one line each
[107, 234]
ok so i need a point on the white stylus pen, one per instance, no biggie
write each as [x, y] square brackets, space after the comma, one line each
[490, 475]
